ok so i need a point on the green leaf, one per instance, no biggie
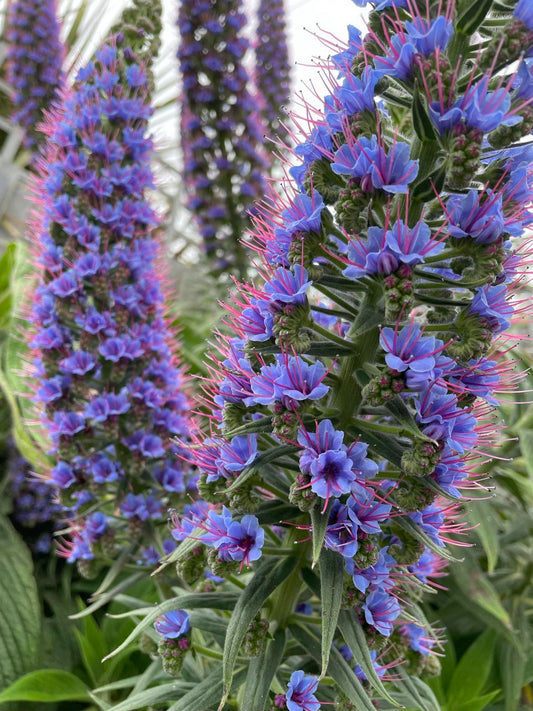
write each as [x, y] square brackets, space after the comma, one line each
[7, 262]
[267, 577]
[419, 693]
[46, 685]
[424, 128]
[511, 662]
[20, 619]
[472, 672]
[218, 601]
[481, 702]
[92, 647]
[319, 523]
[261, 672]
[276, 512]
[331, 585]
[355, 638]
[485, 523]
[155, 695]
[338, 668]
[206, 694]
[483, 599]
[397, 407]
[473, 16]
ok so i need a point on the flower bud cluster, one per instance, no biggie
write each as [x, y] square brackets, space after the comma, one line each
[34, 63]
[109, 385]
[365, 417]
[221, 131]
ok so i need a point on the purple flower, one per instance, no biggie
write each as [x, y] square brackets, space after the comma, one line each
[34, 63]
[477, 216]
[288, 286]
[421, 37]
[173, 625]
[524, 11]
[234, 540]
[380, 611]
[301, 693]
[409, 352]
[222, 148]
[491, 305]
[376, 168]
[272, 74]
[110, 391]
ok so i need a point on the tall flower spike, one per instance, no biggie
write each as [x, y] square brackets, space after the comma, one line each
[272, 71]
[34, 63]
[221, 132]
[363, 367]
[110, 388]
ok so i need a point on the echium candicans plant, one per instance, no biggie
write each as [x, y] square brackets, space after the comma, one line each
[272, 69]
[35, 55]
[351, 410]
[221, 130]
[107, 380]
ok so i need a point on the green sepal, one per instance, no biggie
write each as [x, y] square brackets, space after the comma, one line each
[261, 671]
[331, 585]
[355, 638]
[269, 574]
[473, 16]
[424, 128]
[338, 668]
[319, 523]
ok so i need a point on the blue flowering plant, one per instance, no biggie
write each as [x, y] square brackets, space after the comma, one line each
[350, 408]
[272, 70]
[108, 385]
[221, 128]
[34, 63]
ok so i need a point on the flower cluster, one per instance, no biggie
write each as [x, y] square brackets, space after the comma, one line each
[35, 511]
[34, 63]
[108, 382]
[272, 71]
[355, 390]
[221, 131]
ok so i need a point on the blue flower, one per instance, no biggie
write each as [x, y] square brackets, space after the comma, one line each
[380, 611]
[477, 216]
[288, 286]
[491, 305]
[300, 692]
[376, 168]
[409, 352]
[173, 625]
[524, 12]
[234, 540]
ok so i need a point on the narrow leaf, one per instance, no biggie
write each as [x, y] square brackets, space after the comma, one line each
[338, 668]
[47, 685]
[319, 522]
[269, 456]
[331, 584]
[421, 122]
[473, 16]
[472, 671]
[206, 694]
[155, 695]
[355, 638]
[485, 524]
[261, 672]
[219, 601]
[268, 576]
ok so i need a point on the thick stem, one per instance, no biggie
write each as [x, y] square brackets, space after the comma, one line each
[285, 598]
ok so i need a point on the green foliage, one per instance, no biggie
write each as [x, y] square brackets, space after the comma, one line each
[20, 619]
[49, 685]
